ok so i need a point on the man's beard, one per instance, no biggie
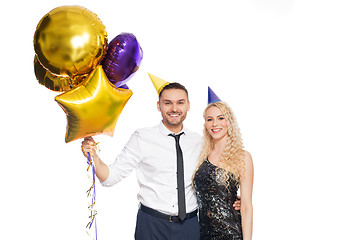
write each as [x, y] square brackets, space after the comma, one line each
[177, 123]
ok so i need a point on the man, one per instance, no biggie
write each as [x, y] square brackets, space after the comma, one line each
[165, 157]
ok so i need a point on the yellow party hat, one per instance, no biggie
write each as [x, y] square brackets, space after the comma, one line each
[159, 84]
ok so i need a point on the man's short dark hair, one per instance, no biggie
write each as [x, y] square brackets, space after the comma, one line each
[174, 85]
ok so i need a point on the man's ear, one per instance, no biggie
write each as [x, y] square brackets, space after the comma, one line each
[188, 106]
[158, 105]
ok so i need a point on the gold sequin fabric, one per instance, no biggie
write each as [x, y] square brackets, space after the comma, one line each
[217, 216]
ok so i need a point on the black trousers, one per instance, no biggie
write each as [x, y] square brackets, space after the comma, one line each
[153, 228]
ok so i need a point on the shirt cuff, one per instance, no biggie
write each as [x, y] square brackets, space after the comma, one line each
[108, 182]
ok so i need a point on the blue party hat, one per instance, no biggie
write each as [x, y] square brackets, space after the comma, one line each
[212, 96]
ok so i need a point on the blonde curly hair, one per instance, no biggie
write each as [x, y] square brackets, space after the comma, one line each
[232, 159]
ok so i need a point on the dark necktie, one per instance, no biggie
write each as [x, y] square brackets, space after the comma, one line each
[180, 178]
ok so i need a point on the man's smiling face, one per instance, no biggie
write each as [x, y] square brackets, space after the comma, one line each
[173, 105]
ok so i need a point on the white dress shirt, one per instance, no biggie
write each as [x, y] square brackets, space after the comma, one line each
[153, 154]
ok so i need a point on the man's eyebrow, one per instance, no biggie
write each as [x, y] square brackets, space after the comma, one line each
[176, 100]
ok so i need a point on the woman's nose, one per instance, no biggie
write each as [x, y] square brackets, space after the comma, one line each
[214, 122]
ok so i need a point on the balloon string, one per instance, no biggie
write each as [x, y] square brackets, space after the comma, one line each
[91, 193]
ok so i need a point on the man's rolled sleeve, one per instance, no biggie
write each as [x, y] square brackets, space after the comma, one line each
[125, 162]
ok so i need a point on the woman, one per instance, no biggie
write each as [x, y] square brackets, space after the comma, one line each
[224, 166]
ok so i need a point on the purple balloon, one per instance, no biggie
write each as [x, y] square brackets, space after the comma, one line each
[124, 86]
[122, 59]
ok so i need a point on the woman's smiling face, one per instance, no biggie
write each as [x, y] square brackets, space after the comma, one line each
[215, 123]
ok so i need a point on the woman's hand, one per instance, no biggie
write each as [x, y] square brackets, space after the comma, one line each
[237, 204]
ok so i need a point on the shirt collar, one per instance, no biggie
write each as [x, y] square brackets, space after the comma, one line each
[166, 131]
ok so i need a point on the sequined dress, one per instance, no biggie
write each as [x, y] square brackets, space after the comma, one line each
[217, 216]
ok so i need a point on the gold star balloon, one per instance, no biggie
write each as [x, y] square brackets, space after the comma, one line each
[93, 107]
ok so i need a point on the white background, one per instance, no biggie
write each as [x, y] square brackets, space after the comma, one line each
[289, 69]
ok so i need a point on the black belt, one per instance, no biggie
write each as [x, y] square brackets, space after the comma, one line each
[164, 216]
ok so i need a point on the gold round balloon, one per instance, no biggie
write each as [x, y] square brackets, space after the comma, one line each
[55, 82]
[51, 81]
[70, 41]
